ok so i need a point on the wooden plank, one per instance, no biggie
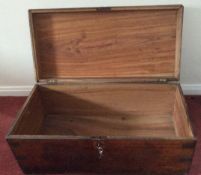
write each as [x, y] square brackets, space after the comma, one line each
[139, 42]
[178, 41]
[109, 125]
[151, 156]
[147, 7]
[180, 116]
[30, 117]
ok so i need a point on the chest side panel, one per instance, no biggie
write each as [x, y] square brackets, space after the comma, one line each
[125, 156]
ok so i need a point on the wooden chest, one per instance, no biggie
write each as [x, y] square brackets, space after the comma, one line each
[107, 98]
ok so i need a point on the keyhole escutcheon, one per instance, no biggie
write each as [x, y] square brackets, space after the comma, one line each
[100, 150]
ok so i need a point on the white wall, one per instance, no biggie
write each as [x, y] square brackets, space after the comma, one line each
[16, 62]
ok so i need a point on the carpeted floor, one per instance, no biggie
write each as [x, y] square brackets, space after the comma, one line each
[10, 105]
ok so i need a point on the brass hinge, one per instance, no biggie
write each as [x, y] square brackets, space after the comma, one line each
[51, 81]
[163, 80]
[103, 9]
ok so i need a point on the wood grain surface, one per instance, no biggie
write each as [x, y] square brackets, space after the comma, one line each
[120, 156]
[107, 43]
[180, 116]
[30, 117]
[109, 109]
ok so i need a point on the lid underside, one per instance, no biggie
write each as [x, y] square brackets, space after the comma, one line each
[137, 42]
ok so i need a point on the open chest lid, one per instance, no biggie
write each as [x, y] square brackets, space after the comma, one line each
[127, 42]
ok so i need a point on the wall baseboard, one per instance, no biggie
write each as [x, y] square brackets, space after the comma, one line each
[15, 90]
[191, 89]
[188, 89]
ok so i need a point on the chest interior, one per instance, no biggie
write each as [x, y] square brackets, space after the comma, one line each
[147, 110]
